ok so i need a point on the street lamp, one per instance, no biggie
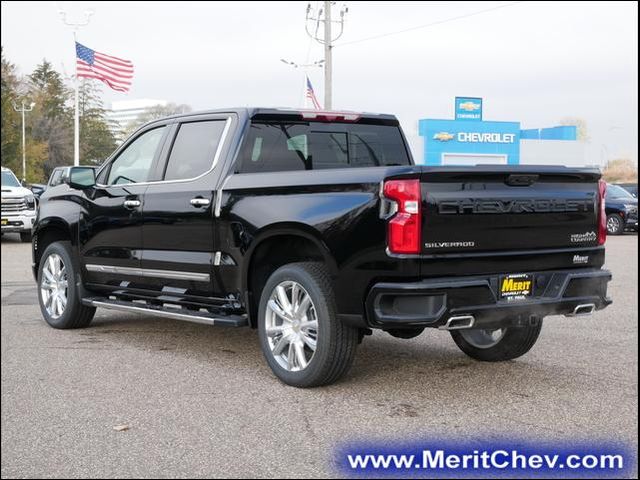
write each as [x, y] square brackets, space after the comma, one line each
[75, 25]
[317, 63]
[22, 110]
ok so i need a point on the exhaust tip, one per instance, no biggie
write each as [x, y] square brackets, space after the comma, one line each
[459, 322]
[584, 309]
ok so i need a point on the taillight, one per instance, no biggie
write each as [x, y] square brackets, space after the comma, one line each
[403, 234]
[602, 214]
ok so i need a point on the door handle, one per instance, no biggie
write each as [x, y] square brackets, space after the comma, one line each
[200, 202]
[131, 204]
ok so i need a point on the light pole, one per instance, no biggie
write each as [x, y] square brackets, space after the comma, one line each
[22, 110]
[76, 119]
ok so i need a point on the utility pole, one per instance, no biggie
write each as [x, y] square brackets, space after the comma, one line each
[22, 110]
[328, 62]
[76, 118]
[324, 15]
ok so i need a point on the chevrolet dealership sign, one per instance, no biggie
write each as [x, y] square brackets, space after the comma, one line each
[446, 138]
[476, 137]
[468, 108]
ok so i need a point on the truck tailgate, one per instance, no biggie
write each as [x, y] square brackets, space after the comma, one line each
[501, 208]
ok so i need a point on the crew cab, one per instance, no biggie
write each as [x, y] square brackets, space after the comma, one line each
[316, 228]
[18, 207]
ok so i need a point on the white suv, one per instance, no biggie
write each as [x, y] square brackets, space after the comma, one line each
[18, 206]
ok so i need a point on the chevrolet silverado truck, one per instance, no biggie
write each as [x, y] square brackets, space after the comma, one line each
[316, 228]
[18, 208]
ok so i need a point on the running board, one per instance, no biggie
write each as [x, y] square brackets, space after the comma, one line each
[205, 318]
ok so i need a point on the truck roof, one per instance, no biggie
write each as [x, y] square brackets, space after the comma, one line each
[295, 113]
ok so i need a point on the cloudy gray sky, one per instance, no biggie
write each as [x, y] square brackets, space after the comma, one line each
[533, 62]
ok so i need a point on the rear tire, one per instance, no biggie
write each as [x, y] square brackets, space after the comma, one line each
[512, 343]
[25, 237]
[58, 289]
[301, 338]
[615, 224]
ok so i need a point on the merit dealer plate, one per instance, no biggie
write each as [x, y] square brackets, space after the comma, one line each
[516, 287]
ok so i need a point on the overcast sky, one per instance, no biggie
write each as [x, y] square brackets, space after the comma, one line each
[532, 62]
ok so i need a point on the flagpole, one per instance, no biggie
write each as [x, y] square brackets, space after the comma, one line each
[304, 91]
[76, 118]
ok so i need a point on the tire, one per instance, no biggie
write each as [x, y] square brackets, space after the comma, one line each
[335, 343]
[74, 314]
[513, 343]
[25, 237]
[615, 224]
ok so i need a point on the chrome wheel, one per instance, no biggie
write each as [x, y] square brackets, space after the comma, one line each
[291, 325]
[53, 285]
[483, 338]
[613, 224]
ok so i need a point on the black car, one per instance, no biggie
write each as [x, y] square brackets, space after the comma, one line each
[632, 188]
[622, 210]
[316, 228]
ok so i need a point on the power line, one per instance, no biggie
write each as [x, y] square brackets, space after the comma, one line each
[439, 22]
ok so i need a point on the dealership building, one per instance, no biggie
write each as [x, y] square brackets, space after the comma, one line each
[468, 139]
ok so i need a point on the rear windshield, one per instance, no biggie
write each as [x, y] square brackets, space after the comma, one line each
[283, 147]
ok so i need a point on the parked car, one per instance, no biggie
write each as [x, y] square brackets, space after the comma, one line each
[632, 188]
[59, 175]
[622, 210]
[18, 212]
[315, 228]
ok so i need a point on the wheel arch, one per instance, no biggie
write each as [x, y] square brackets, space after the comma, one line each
[49, 230]
[280, 244]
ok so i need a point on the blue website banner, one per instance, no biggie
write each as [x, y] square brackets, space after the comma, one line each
[472, 459]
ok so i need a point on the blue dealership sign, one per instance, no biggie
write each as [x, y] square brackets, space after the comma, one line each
[468, 108]
[451, 141]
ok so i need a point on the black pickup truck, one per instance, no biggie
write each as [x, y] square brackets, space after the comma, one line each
[315, 228]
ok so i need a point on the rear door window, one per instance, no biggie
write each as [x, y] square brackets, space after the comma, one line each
[194, 149]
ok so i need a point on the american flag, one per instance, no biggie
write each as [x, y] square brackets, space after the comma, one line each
[115, 72]
[312, 96]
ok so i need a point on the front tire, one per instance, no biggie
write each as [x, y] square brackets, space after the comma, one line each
[497, 345]
[58, 292]
[25, 237]
[615, 224]
[301, 337]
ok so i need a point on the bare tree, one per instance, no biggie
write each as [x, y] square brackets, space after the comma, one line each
[581, 127]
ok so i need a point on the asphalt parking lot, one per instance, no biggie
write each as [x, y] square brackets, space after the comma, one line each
[201, 402]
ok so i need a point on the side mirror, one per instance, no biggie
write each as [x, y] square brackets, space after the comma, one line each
[38, 189]
[82, 178]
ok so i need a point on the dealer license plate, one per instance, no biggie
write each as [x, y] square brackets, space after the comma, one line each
[5, 221]
[516, 287]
